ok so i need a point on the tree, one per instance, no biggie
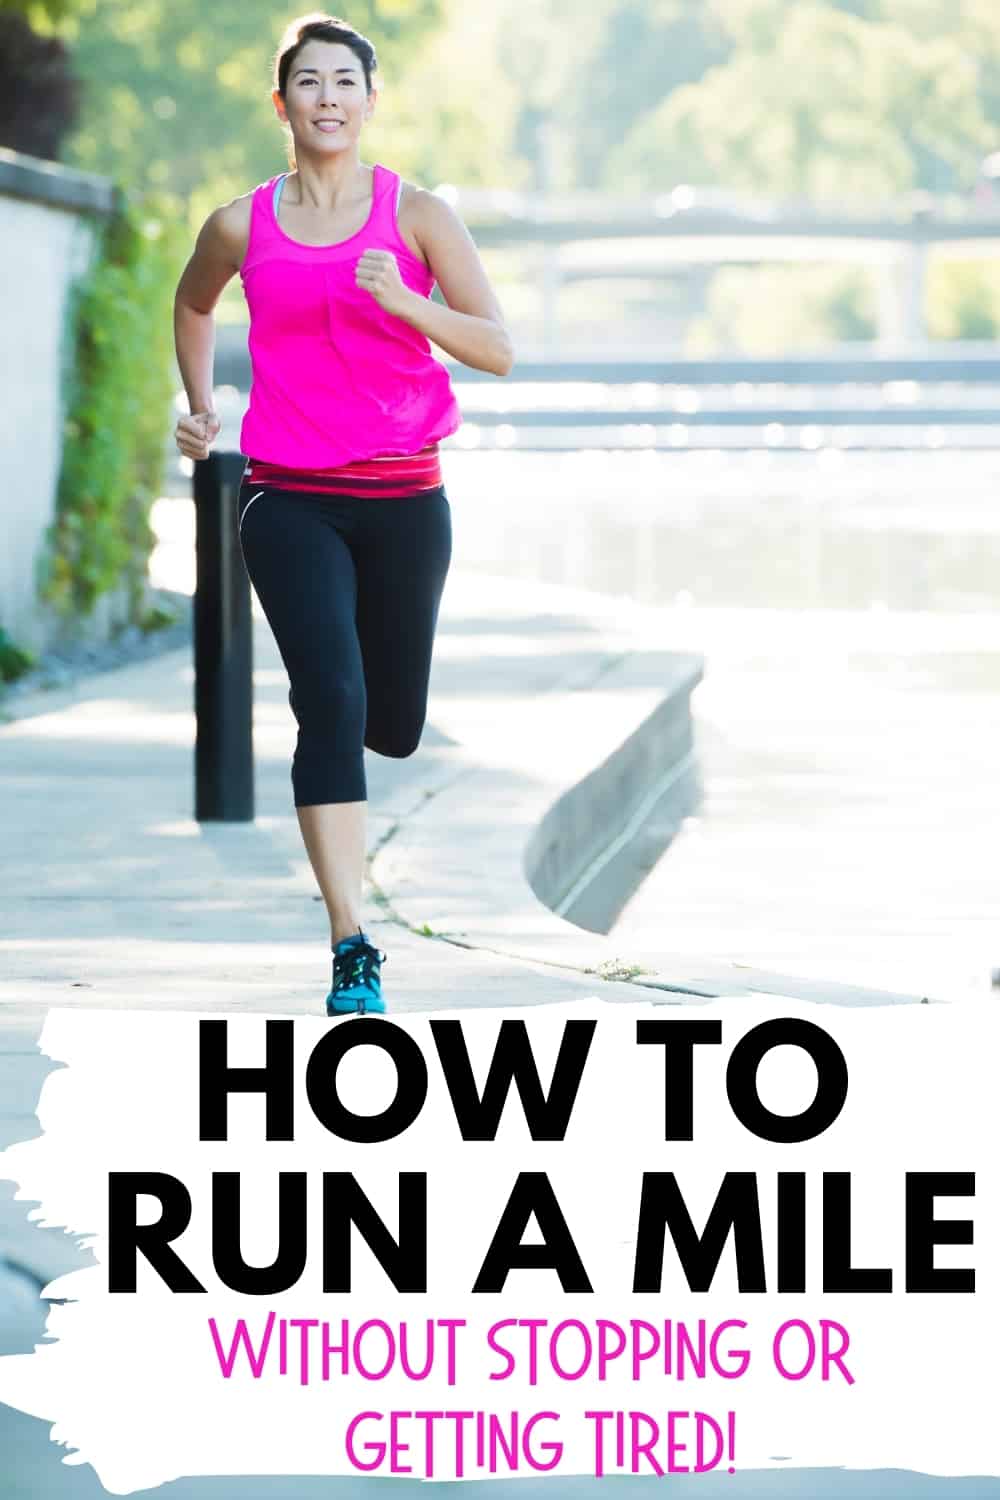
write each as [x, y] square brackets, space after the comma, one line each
[177, 94]
[38, 12]
[583, 75]
[817, 102]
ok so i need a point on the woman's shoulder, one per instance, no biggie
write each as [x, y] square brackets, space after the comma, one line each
[237, 211]
[426, 204]
[231, 222]
[424, 208]
[411, 215]
[411, 193]
[426, 217]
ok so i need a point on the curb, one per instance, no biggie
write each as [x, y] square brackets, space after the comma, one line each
[494, 857]
[653, 765]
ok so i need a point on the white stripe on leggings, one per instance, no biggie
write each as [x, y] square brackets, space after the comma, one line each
[247, 507]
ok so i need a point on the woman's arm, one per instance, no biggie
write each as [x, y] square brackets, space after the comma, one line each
[471, 328]
[214, 261]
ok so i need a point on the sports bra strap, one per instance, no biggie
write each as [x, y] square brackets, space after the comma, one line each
[284, 178]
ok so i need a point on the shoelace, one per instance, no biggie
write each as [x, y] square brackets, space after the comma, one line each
[356, 966]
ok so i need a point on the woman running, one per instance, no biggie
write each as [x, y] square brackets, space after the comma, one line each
[343, 518]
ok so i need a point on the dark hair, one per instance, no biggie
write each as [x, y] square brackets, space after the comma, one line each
[319, 27]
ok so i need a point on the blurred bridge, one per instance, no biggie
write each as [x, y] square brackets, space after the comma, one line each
[512, 218]
[589, 235]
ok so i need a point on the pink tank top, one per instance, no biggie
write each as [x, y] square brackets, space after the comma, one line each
[335, 378]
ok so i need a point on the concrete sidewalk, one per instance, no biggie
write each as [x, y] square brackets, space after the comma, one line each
[555, 718]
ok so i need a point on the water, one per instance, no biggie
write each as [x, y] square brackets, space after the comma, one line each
[756, 530]
[848, 726]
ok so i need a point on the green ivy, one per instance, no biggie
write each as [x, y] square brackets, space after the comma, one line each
[116, 400]
[14, 660]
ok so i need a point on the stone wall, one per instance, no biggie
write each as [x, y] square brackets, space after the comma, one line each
[49, 217]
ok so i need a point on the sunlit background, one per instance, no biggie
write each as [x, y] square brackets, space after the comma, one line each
[749, 251]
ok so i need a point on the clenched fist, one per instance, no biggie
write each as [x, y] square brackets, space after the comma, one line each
[195, 434]
[378, 272]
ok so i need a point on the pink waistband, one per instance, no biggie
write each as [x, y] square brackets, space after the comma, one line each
[391, 475]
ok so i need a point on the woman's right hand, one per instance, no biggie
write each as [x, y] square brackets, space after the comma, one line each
[195, 434]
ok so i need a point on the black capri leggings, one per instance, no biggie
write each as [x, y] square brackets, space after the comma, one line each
[351, 587]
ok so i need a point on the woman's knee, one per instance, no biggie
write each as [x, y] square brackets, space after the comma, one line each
[397, 741]
[328, 705]
[320, 777]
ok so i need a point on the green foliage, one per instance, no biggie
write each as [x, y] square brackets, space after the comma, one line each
[14, 661]
[774, 310]
[177, 96]
[644, 50]
[39, 13]
[831, 98]
[781, 309]
[963, 299]
[817, 102]
[157, 619]
[447, 113]
[118, 388]
[619, 969]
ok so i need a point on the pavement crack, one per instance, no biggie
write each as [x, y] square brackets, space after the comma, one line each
[603, 972]
[377, 894]
[613, 971]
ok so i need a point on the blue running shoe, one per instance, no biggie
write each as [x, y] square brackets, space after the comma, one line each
[357, 986]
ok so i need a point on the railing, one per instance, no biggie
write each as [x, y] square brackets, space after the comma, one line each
[232, 367]
[749, 402]
[962, 368]
[854, 402]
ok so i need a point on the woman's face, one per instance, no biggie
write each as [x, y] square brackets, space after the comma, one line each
[325, 101]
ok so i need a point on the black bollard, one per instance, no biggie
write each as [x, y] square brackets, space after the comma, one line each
[223, 648]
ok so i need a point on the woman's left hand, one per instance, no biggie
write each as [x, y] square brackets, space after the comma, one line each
[378, 273]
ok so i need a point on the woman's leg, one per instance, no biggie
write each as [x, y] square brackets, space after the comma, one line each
[335, 835]
[402, 562]
[303, 573]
